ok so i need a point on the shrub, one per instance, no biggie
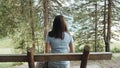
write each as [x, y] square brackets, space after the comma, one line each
[115, 50]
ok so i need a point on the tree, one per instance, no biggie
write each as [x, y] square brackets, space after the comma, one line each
[8, 22]
[24, 21]
[45, 12]
[84, 13]
[31, 22]
[104, 29]
[109, 26]
[96, 28]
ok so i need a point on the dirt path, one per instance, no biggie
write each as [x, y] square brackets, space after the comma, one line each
[114, 63]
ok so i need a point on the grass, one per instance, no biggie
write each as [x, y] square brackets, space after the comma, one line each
[6, 65]
[5, 50]
[115, 45]
[6, 43]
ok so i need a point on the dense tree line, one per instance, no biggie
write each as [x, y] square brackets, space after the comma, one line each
[89, 21]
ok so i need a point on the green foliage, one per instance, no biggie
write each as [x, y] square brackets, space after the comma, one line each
[84, 23]
[115, 50]
[79, 48]
[15, 23]
[80, 16]
[100, 47]
[8, 20]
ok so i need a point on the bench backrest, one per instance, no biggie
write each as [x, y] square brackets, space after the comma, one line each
[31, 58]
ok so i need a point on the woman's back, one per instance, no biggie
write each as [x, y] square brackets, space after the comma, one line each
[59, 41]
[60, 45]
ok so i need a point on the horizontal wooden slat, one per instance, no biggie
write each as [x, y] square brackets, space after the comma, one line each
[100, 56]
[55, 57]
[13, 58]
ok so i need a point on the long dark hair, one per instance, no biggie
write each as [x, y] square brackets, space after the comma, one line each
[59, 27]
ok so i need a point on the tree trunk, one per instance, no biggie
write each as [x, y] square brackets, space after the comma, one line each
[109, 26]
[96, 29]
[45, 12]
[32, 24]
[104, 29]
[22, 6]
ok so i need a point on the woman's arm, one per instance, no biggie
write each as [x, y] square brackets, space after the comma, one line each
[71, 47]
[47, 47]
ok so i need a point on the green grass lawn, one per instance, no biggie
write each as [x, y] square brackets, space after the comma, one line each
[6, 46]
[6, 65]
[6, 43]
[115, 44]
[5, 50]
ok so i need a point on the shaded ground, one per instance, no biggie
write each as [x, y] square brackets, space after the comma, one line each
[114, 63]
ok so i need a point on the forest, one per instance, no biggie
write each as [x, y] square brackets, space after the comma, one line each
[25, 24]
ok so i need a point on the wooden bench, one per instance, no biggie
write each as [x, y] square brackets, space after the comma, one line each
[31, 58]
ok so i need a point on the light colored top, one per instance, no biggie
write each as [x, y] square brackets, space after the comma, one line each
[59, 45]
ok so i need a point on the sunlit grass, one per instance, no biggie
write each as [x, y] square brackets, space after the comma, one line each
[115, 44]
[6, 65]
[5, 50]
[5, 46]
[6, 43]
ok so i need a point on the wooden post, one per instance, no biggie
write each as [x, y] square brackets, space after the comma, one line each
[30, 55]
[85, 57]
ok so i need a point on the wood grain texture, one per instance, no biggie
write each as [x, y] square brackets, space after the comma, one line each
[55, 57]
[85, 57]
[30, 55]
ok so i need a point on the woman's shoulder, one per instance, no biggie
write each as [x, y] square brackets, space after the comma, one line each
[67, 34]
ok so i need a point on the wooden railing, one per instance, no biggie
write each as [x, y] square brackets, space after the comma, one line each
[31, 58]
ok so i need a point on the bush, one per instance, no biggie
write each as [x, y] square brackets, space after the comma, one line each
[115, 50]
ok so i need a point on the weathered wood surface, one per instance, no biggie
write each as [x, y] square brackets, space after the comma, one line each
[85, 57]
[30, 55]
[53, 57]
